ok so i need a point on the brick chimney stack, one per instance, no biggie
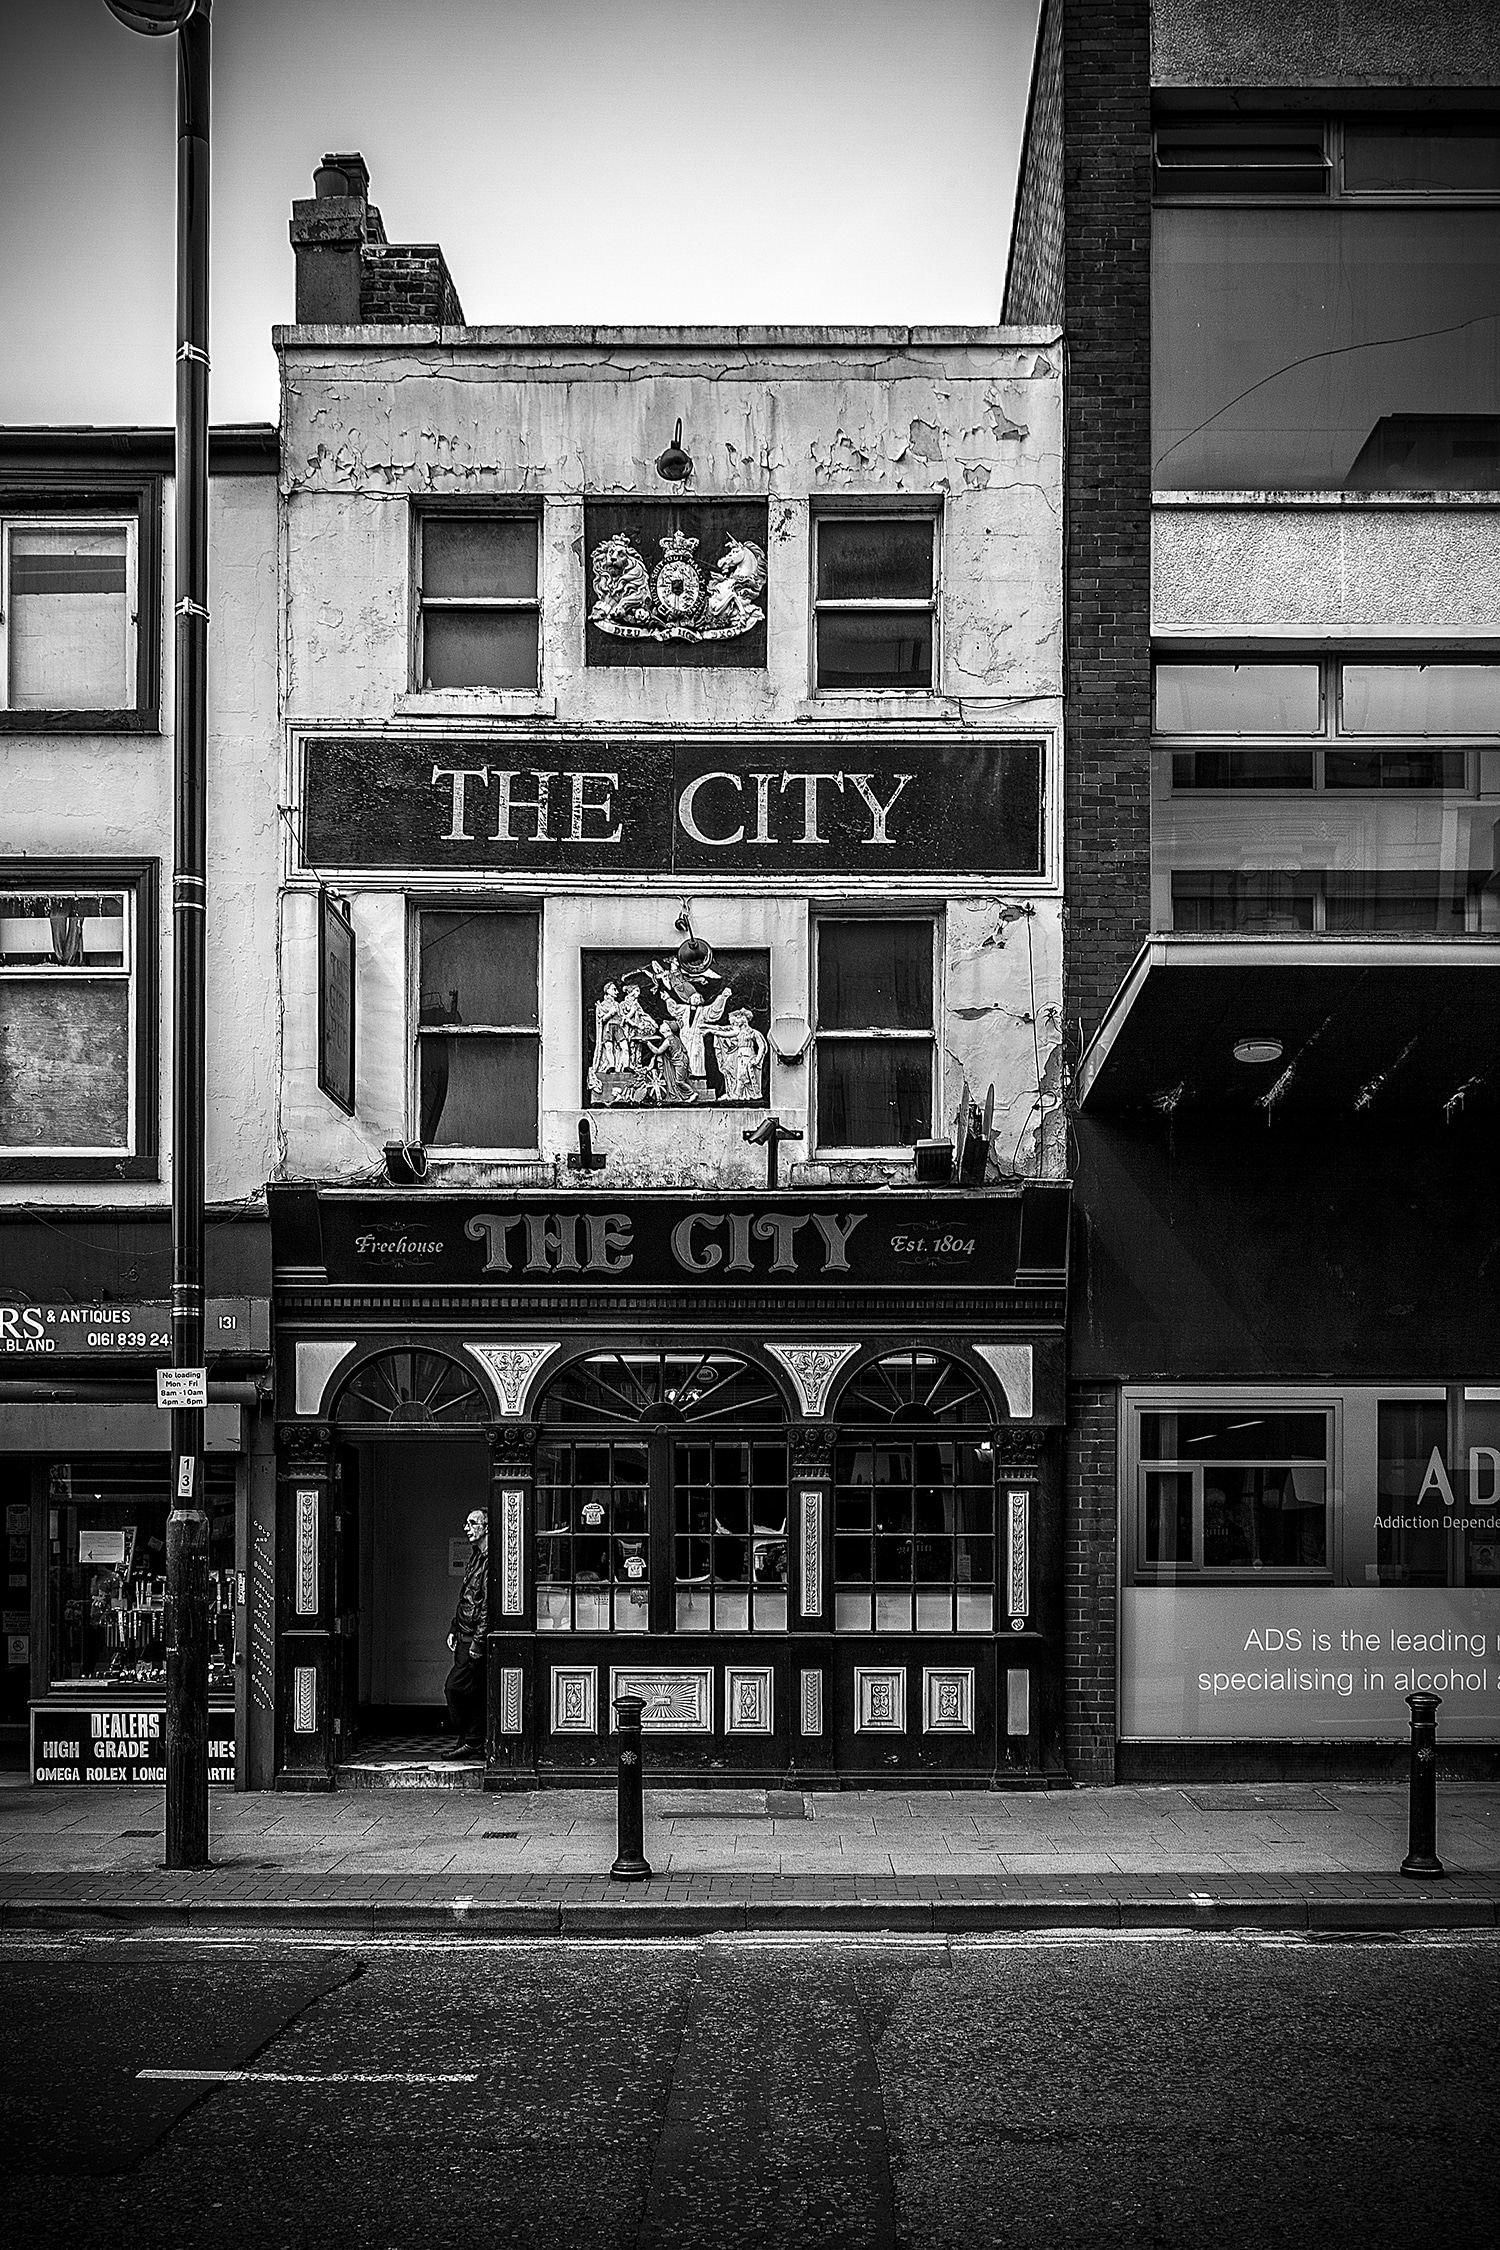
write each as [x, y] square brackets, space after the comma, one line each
[348, 274]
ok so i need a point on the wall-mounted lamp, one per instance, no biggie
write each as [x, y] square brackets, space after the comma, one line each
[405, 1163]
[674, 462]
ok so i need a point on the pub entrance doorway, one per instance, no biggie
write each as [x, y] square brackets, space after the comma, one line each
[413, 1424]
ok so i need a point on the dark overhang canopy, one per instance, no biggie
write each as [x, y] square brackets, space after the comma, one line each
[1359, 1025]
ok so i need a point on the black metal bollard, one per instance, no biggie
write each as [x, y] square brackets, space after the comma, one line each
[1421, 1861]
[631, 1864]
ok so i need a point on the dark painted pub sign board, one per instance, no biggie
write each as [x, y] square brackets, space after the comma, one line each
[944, 802]
[871, 1241]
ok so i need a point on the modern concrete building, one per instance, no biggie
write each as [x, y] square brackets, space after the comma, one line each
[1272, 237]
[670, 1153]
[86, 592]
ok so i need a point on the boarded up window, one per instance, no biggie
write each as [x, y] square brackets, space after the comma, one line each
[66, 1023]
[70, 617]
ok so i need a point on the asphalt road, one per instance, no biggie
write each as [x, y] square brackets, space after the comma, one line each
[1192, 2091]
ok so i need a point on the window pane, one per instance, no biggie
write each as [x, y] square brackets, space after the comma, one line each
[874, 1094]
[1241, 156]
[65, 1064]
[1421, 159]
[1421, 698]
[874, 975]
[886, 558]
[1216, 899]
[1410, 1432]
[861, 649]
[1242, 769]
[1271, 1518]
[485, 555]
[1284, 340]
[478, 1092]
[1237, 699]
[1169, 1516]
[1243, 1433]
[1427, 905]
[62, 931]
[1393, 769]
[479, 968]
[479, 648]
[70, 621]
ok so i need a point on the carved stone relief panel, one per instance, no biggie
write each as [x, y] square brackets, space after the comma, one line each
[948, 1699]
[675, 582]
[879, 1699]
[812, 1701]
[510, 1699]
[749, 1700]
[575, 1699]
[665, 1027]
[677, 1702]
[812, 1368]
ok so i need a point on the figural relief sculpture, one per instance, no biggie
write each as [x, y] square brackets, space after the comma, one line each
[677, 1031]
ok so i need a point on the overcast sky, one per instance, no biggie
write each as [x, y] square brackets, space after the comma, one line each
[605, 160]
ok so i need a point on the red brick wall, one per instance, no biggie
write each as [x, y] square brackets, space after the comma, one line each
[1034, 279]
[1090, 1608]
[406, 283]
[1107, 324]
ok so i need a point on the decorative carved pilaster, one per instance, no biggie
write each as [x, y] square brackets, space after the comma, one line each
[1019, 1447]
[812, 1449]
[512, 1451]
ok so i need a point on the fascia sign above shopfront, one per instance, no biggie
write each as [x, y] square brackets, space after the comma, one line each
[878, 1240]
[949, 802]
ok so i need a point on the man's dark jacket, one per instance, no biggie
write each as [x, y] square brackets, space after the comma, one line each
[472, 1614]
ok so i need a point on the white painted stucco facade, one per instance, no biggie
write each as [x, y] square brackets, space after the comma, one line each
[108, 796]
[969, 421]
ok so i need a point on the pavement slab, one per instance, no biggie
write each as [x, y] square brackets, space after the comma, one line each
[1293, 1856]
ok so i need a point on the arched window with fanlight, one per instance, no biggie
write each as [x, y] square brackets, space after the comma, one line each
[661, 1496]
[914, 1498]
[425, 1393]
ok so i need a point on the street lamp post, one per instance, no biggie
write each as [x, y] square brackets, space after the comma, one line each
[187, 1524]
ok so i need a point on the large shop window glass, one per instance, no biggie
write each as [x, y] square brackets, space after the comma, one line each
[478, 1029]
[875, 1041]
[1332, 794]
[107, 1586]
[914, 1500]
[1325, 305]
[1243, 1490]
[662, 1458]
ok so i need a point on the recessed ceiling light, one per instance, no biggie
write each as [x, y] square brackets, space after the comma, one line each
[1257, 1049]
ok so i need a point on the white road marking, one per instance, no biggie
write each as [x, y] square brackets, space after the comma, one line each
[314, 2077]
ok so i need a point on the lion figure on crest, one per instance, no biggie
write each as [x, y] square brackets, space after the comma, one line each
[622, 584]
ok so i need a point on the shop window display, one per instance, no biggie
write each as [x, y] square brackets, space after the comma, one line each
[914, 1500]
[1228, 1492]
[107, 1542]
[641, 1456]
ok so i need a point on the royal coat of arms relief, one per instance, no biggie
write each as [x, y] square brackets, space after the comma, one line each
[676, 599]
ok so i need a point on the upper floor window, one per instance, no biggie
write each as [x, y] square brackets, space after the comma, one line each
[1326, 304]
[70, 596]
[478, 1029]
[876, 1041]
[478, 609]
[1326, 793]
[875, 600]
[77, 1081]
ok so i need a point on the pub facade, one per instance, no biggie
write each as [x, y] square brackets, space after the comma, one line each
[671, 1153]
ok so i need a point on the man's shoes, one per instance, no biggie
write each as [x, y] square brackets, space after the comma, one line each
[463, 1750]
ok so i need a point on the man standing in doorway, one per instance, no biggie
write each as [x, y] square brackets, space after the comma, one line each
[464, 1686]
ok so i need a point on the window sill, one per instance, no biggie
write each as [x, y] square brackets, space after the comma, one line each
[475, 703]
[882, 703]
[62, 1169]
[80, 722]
